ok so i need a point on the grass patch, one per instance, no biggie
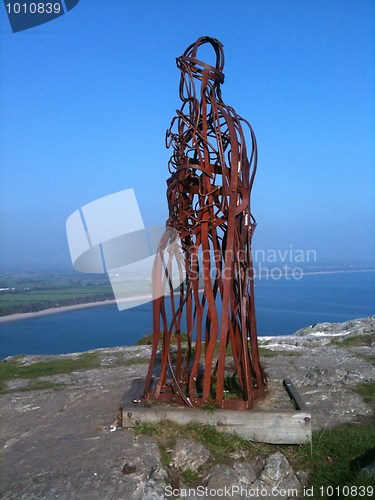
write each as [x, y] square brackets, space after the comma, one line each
[332, 457]
[219, 444]
[228, 350]
[141, 360]
[147, 340]
[232, 388]
[209, 407]
[14, 369]
[367, 391]
[356, 340]
[191, 477]
[38, 385]
[269, 353]
[165, 456]
[35, 385]
[10, 369]
[370, 359]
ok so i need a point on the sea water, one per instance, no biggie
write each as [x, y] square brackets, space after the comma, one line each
[282, 307]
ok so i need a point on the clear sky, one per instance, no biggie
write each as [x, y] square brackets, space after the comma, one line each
[86, 99]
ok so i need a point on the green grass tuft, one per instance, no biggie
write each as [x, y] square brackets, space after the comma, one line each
[367, 391]
[331, 458]
[269, 353]
[369, 358]
[191, 477]
[355, 340]
[165, 457]
[209, 407]
[35, 385]
[11, 369]
[219, 444]
[140, 360]
[147, 340]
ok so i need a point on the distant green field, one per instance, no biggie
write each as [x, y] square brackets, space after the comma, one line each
[31, 292]
[54, 295]
[44, 295]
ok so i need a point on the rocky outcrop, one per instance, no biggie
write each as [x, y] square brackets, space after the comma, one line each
[189, 455]
[58, 442]
[326, 367]
[279, 475]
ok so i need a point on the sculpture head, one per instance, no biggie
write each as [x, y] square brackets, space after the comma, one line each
[192, 68]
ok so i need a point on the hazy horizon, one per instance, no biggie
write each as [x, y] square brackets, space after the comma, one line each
[68, 269]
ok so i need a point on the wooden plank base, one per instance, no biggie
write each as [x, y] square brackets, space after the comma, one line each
[269, 426]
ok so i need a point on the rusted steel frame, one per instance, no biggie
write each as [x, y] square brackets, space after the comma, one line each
[228, 266]
[209, 206]
[156, 278]
[198, 340]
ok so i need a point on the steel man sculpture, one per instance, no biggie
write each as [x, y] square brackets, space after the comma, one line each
[212, 173]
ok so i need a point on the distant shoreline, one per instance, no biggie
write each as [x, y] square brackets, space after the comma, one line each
[62, 309]
[340, 271]
[54, 310]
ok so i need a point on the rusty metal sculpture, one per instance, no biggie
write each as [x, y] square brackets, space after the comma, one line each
[208, 194]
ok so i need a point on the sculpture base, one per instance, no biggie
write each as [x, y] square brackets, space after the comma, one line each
[280, 418]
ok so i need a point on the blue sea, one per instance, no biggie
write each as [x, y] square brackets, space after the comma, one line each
[282, 307]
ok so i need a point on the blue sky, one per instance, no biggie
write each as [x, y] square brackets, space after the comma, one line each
[86, 99]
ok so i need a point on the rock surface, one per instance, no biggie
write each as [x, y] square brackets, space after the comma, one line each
[324, 372]
[222, 476]
[278, 474]
[189, 455]
[59, 444]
